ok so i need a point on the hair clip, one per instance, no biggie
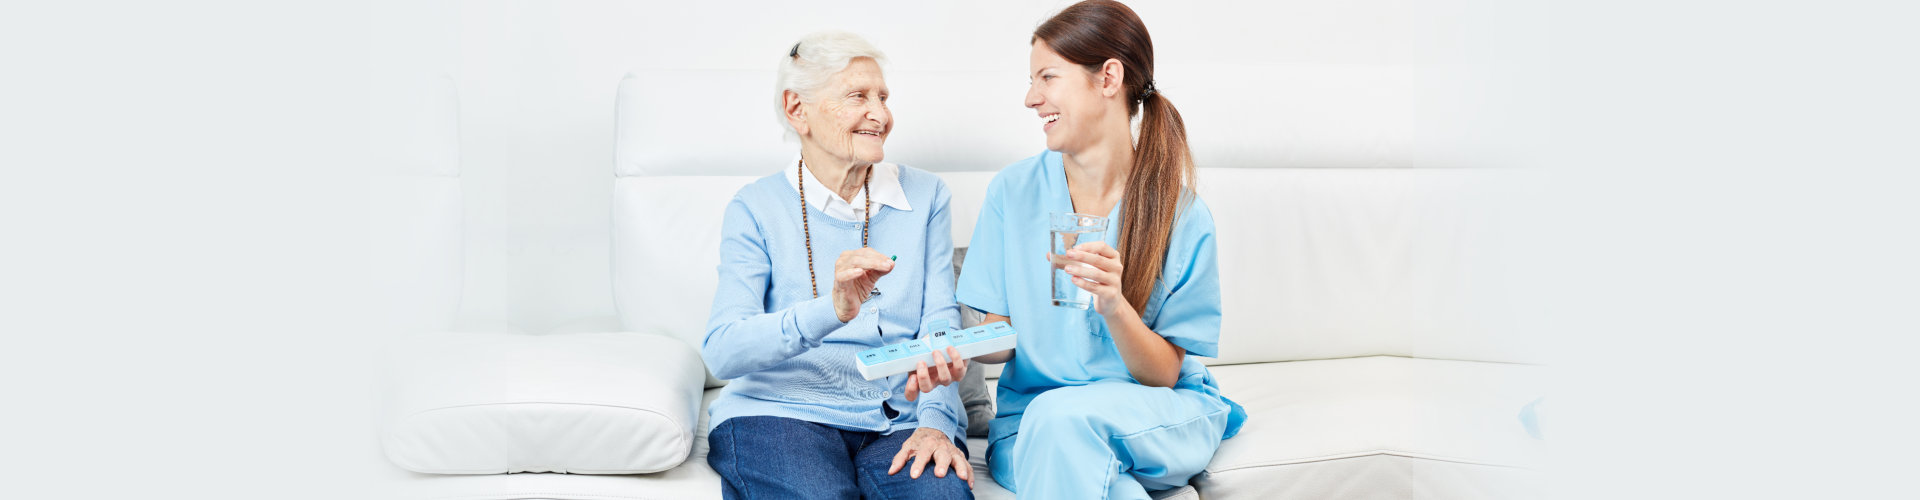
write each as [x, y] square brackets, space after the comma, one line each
[796, 50]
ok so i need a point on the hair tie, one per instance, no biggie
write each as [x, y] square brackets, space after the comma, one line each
[1147, 91]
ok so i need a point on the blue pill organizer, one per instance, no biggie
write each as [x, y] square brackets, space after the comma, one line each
[895, 359]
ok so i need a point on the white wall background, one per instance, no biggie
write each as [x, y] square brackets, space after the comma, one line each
[537, 82]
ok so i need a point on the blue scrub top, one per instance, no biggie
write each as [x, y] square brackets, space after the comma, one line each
[1006, 273]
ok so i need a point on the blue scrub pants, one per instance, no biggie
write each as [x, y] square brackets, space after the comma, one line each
[1109, 440]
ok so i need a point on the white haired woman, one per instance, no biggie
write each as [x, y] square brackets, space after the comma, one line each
[835, 254]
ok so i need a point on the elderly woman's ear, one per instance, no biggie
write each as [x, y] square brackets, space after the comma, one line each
[796, 113]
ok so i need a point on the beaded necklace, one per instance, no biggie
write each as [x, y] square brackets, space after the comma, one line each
[866, 186]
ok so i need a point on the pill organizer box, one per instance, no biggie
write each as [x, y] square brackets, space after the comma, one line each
[900, 358]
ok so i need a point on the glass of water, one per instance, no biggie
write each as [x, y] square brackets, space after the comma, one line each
[1071, 229]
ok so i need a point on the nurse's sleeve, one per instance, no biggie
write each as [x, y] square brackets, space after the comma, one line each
[983, 275]
[742, 336]
[1190, 315]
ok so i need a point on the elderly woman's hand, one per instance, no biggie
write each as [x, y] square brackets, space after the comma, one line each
[930, 445]
[948, 367]
[854, 276]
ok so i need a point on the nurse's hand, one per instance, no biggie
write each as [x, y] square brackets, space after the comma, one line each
[1096, 268]
[948, 367]
[928, 445]
[854, 276]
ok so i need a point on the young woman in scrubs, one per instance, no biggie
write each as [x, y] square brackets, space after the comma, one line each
[1105, 402]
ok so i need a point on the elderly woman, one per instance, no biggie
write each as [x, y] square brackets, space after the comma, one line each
[834, 254]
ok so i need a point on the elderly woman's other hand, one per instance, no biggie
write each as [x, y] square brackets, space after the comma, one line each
[930, 446]
[854, 276]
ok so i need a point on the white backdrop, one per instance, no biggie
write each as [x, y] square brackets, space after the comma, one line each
[537, 82]
[184, 192]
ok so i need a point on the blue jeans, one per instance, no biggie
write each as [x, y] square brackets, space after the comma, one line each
[778, 457]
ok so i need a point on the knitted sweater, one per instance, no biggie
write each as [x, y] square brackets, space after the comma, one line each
[785, 352]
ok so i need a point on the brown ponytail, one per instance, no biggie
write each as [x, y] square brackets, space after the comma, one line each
[1160, 182]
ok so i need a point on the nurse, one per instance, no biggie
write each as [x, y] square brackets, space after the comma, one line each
[1107, 402]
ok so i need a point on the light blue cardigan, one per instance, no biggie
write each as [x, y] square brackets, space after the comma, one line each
[784, 351]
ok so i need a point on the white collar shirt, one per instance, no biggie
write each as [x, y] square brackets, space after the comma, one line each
[885, 185]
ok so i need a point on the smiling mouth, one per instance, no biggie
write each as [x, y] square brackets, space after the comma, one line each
[1050, 118]
[867, 132]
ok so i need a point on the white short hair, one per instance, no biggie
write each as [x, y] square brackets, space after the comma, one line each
[812, 62]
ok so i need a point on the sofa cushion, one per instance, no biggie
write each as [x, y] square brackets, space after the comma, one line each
[1380, 427]
[693, 479]
[585, 403]
[666, 253]
[418, 261]
[1355, 115]
[1339, 263]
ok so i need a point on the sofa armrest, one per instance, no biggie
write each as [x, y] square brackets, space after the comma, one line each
[583, 403]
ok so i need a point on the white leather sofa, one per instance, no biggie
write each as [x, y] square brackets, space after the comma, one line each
[1365, 330]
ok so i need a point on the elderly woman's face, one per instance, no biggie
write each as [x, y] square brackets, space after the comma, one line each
[849, 118]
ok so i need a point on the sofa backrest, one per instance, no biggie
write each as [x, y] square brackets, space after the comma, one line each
[1337, 241]
[724, 122]
[415, 206]
[1316, 263]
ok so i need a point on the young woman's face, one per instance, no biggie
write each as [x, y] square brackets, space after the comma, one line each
[1067, 99]
[850, 120]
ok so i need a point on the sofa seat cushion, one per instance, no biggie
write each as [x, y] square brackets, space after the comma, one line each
[693, 479]
[586, 403]
[1380, 427]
